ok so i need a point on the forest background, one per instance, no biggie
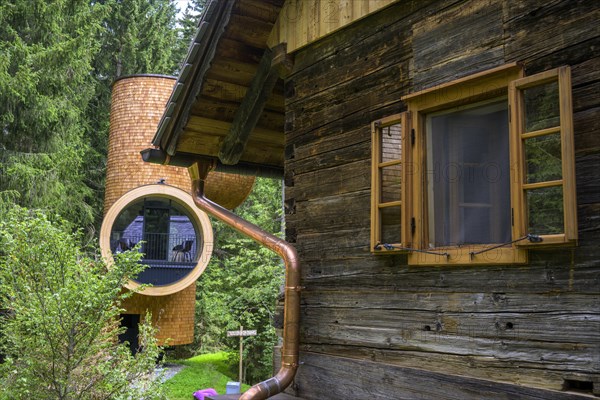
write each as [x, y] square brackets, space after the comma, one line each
[58, 60]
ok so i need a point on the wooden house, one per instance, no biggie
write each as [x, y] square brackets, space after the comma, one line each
[441, 165]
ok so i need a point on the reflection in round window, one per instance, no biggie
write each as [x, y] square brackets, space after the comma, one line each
[164, 232]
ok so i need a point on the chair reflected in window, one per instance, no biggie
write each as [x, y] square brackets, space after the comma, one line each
[187, 249]
[177, 254]
[182, 252]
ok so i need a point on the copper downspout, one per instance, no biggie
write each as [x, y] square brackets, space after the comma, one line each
[289, 352]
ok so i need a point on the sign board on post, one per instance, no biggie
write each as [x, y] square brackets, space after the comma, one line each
[241, 333]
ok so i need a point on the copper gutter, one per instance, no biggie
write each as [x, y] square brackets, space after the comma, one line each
[289, 352]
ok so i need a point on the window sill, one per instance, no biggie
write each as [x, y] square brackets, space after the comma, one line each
[462, 256]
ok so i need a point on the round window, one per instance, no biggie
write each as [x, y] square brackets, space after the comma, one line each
[163, 224]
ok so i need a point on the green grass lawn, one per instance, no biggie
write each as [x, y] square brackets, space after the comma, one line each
[201, 372]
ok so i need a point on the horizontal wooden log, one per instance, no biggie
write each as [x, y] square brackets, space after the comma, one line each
[456, 42]
[553, 272]
[586, 125]
[522, 373]
[588, 221]
[363, 58]
[334, 245]
[383, 87]
[230, 49]
[333, 378]
[330, 214]
[536, 30]
[344, 154]
[586, 96]
[355, 33]
[346, 178]
[454, 302]
[585, 72]
[571, 55]
[327, 137]
[263, 10]
[449, 332]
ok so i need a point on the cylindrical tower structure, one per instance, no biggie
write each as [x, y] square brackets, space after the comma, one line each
[138, 103]
[149, 206]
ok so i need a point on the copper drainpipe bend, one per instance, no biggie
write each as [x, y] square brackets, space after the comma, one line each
[289, 353]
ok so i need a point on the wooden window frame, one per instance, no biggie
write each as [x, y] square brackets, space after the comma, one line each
[519, 187]
[504, 81]
[376, 165]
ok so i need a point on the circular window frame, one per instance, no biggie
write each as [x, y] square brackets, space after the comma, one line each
[183, 199]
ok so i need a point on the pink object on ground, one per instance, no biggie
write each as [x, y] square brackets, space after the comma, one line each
[199, 395]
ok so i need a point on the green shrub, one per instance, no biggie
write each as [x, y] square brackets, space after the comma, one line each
[61, 322]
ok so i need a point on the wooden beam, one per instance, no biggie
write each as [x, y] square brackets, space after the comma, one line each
[252, 105]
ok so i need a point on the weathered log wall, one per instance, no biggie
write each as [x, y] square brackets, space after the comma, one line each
[373, 327]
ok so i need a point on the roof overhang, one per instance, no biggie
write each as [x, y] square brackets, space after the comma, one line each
[227, 103]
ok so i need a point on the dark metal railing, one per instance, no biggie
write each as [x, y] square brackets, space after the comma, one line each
[170, 257]
[160, 248]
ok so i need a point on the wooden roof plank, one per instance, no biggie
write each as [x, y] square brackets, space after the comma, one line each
[222, 128]
[225, 110]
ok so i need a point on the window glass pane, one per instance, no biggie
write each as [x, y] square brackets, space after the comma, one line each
[468, 175]
[167, 235]
[390, 225]
[545, 210]
[390, 183]
[390, 143]
[543, 158]
[541, 107]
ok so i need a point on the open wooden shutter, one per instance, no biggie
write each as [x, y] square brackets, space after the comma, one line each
[542, 156]
[390, 183]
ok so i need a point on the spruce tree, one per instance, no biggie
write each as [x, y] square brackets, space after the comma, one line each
[46, 51]
[139, 37]
[188, 25]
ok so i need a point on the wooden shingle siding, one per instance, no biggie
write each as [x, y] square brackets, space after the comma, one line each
[493, 332]
[172, 315]
[137, 105]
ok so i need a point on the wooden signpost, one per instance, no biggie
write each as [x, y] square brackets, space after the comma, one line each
[241, 333]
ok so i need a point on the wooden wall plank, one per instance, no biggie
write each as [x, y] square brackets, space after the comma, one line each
[371, 307]
[378, 381]
[557, 26]
[457, 41]
[297, 25]
[532, 374]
